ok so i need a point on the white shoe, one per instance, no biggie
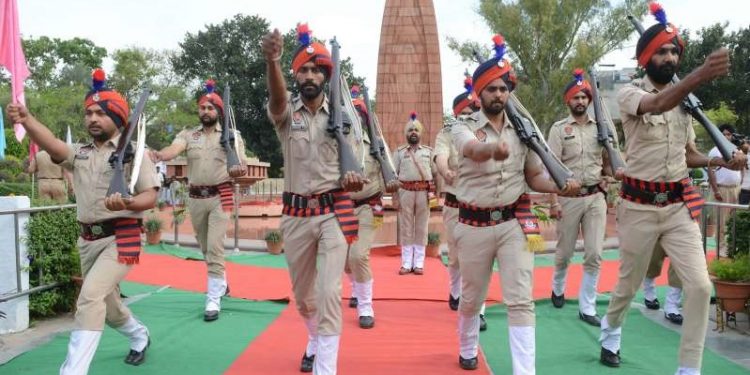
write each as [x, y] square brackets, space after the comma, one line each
[688, 371]
[312, 336]
[587, 294]
[216, 289]
[407, 257]
[468, 335]
[81, 350]
[364, 298]
[610, 338]
[673, 300]
[136, 332]
[649, 289]
[523, 349]
[558, 281]
[419, 254]
[327, 357]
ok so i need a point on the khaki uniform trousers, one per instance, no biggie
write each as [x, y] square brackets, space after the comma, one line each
[480, 246]
[656, 264]
[53, 189]
[359, 252]
[413, 216]
[450, 220]
[589, 215]
[315, 249]
[99, 300]
[640, 227]
[210, 225]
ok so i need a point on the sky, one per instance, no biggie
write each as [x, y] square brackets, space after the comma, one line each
[162, 24]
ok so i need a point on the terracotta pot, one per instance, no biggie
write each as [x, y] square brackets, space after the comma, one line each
[275, 247]
[153, 238]
[432, 251]
[733, 296]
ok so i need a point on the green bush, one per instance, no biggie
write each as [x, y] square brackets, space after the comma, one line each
[52, 237]
[12, 147]
[733, 270]
[12, 170]
[153, 224]
[433, 238]
[15, 188]
[273, 236]
[740, 244]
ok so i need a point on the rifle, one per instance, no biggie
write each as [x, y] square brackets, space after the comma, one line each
[228, 141]
[693, 105]
[603, 134]
[335, 129]
[377, 144]
[124, 152]
[528, 134]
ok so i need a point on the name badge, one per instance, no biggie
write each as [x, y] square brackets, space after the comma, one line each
[569, 137]
[297, 122]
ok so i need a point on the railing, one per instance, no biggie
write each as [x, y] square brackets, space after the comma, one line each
[19, 286]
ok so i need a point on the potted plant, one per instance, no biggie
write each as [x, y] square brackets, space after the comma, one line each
[274, 242]
[153, 225]
[731, 279]
[433, 245]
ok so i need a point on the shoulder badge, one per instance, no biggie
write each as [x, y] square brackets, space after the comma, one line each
[481, 135]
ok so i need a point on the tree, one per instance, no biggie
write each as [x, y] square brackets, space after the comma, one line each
[230, 54]
[49, 59]
[549, 38]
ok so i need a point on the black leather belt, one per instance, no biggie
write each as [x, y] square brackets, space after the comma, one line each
[589, 190]
[299, 201]
[652, 197]
[203, 191]
[101, 229]
[451, 200]
[496, 215]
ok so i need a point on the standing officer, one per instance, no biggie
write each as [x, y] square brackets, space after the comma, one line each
[413, 163]
[211, 190]
[494, 219]
[104, 260]
[574, 141]
[446, 160]
[52, 178]
[659, 202]
[317, 216]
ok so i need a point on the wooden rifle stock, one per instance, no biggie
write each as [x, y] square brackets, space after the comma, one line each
[227, 131]
[603, 130]
[347, 160]
[529, 136]
[124, 151]
[693, 106]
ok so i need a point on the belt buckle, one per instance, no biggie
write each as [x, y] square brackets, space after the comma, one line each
[661, 197]
[204, 192]
[97, 230]
[313, 203]
[496, 215]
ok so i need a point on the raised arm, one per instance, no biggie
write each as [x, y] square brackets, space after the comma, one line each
[273, 48]
[38, 133]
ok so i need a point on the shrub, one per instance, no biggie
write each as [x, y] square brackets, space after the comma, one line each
[433, 238]
[15, 188]
[152, 224]
[273, 236]
[52, 248]
[739, 245]
[733, 270]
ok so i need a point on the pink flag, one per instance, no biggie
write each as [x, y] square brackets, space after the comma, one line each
[11, 55]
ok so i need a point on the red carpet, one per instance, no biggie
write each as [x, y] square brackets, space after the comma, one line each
[409, 337]
[249, 282]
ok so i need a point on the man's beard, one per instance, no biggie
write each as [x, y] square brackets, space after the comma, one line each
[413, 140]
[207, 120]
[101, 136]
[312, 93]
[661, 74]
[577, 110]
[493, 108]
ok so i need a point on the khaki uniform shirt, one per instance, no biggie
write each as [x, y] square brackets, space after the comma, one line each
[311, 156]
[371, 170]
[207, 160]
[654, 142]
[491, 183]
[44, 167]
[92, 175]
[578, 148]
[406, 168]
[444, 146]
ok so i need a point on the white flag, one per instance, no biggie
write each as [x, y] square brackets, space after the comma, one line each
[69, 137]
